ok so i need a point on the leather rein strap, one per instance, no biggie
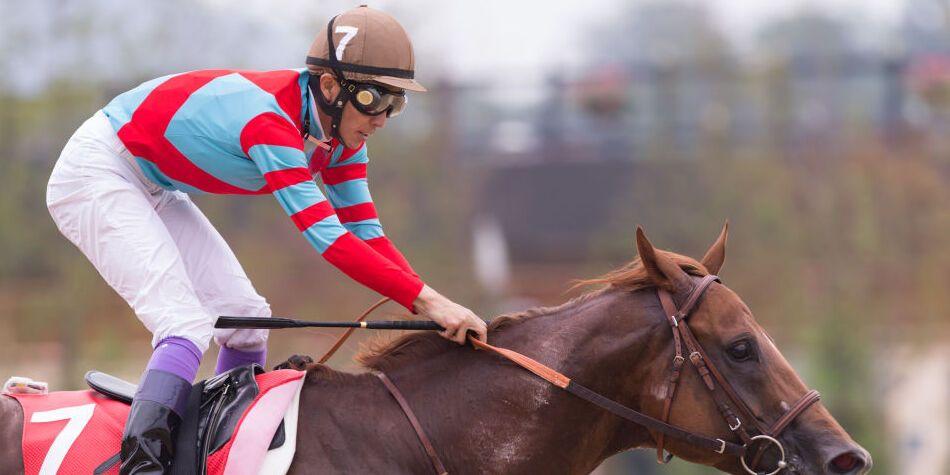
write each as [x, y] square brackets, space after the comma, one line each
[349, 331]
[554, 377]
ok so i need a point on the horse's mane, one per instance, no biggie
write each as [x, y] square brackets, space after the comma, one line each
[417, 346]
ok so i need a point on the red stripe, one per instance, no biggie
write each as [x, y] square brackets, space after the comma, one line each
[349, 152]
[283, 178]
[270, 128]
[276, 83]
[360, 212]
[336, 175]
[312, 215]
[319, 160]
[386, 248]
[359, 261]
[144, 135]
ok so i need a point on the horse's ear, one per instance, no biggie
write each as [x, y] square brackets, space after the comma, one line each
[716, 254]
[664, 273]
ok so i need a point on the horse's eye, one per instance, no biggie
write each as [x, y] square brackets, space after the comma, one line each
[741, 350]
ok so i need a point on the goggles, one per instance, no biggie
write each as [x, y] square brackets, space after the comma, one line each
[371, 99]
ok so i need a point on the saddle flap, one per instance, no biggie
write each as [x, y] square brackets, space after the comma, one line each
[111, 386]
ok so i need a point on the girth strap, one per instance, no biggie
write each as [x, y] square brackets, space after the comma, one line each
[426, 444]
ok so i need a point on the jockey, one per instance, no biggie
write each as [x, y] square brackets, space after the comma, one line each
[119, 192]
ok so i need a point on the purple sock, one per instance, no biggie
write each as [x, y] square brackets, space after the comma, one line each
[170, 371]
[177, 356]
[229, 358]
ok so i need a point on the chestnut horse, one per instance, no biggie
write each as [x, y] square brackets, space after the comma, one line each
[486, 415]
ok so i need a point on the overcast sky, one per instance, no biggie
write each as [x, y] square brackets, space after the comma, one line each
[483, 41]
[484, 37]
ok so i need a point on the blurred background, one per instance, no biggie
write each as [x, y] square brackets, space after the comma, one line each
[820, 129]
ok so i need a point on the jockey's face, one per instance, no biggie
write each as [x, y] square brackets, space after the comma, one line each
[355, 127]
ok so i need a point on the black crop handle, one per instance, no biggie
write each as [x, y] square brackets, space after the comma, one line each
[404, 325]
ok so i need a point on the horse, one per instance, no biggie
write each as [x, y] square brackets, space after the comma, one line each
[486, 415]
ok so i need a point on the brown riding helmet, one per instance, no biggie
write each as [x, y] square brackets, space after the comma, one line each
[370, 46]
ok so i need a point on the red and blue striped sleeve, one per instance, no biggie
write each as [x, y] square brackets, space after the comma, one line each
[348, 190]
[275, 146]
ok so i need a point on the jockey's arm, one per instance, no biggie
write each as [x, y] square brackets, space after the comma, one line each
[277, 150]
[348, 191]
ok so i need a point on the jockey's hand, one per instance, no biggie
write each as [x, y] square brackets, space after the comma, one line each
[456, 319]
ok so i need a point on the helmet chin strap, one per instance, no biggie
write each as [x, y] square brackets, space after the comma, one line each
[332, 108]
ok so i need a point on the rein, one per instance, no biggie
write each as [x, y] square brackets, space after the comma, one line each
[349, 331]
[722, 392]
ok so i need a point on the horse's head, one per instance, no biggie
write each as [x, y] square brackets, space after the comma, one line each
[748, 361]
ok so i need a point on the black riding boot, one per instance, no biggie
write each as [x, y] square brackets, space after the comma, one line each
[148, 443]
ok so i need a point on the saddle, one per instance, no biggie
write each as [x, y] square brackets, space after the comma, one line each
[215, 407]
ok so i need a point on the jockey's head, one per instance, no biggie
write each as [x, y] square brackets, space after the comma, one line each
[361, 66]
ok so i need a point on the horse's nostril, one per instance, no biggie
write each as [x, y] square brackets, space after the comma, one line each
[848, 462]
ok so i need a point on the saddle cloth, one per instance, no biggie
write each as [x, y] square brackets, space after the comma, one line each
[75, 431]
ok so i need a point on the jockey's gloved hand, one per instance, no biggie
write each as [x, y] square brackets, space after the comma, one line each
[297, 362]
[456, 319]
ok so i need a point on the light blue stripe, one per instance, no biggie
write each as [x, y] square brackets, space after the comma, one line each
[324, 233]
[269, 158]
[119, 110]
[207, 128]
[181, 186]
[299, 197]
[154, 174]
[359, 157]
[217, 159]
[349, 193]
[366, 229]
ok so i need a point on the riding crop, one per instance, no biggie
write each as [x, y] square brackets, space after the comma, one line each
[278, 322]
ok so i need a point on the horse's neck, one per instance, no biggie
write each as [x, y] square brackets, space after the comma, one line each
[486, 415]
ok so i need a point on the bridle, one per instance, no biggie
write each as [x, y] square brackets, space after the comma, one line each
[729, 403]
[713, 380]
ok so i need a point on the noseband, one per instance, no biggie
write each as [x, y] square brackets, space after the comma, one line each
[726, 398]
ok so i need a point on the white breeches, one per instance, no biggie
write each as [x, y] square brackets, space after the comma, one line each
[153, 246]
